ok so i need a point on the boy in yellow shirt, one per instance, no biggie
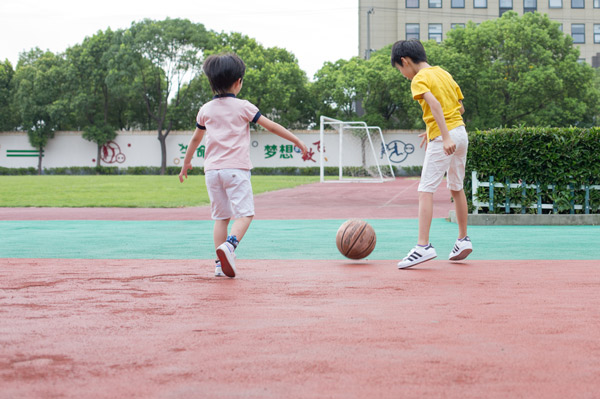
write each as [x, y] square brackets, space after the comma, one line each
[447, 143]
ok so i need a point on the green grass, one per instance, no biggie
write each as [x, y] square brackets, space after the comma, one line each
[125, 191]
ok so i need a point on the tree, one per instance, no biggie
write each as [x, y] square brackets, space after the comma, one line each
[7, 118]
[94, 101]
[339, 87]
[518, 70]
[166, 56]
[41, 97]
[387, 100]
[273, 82]
[368, 90]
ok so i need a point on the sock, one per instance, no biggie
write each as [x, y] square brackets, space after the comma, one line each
[233, 241]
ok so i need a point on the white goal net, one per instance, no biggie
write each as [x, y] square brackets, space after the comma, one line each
[356, 158]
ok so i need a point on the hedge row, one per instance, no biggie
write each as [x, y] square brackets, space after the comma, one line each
[566, 158]
[174, 170]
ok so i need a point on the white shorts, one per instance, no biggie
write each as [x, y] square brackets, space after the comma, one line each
[230, 193]
[437, 163]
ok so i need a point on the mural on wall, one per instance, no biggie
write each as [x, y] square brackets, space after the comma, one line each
[397, 150]
[285, 151]
[111, 153]
[130, 149]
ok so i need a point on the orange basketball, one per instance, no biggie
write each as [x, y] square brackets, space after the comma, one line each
[355, 239]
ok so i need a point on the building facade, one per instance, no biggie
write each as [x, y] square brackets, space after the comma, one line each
[382, 22]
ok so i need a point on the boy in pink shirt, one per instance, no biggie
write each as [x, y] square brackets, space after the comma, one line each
[225, 122]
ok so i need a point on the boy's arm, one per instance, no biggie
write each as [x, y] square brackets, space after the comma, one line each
[438, 115]
[282, 132]
[462, 107]
[189, 154]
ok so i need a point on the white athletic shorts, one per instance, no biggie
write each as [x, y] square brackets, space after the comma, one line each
[230, 193]
[437, 163]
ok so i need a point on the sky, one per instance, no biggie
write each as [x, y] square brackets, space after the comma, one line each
[315, 31]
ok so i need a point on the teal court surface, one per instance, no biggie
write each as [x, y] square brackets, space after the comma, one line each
[107, 303]
[283, 239]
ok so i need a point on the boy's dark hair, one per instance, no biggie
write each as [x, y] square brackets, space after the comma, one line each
[408, 48]
[223, 70]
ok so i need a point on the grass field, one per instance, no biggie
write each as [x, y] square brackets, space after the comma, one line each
[126, 191]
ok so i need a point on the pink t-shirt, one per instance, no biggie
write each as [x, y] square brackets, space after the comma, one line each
[227, 139]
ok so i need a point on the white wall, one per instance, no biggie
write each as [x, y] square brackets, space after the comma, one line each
[267, 150]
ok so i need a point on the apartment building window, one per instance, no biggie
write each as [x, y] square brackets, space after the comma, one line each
[529, 5]
[578, 33]
[435, 3]
[457, 3]
[560, 27]
[596, 33]
[452, 26]
[412, 3]
[555, 4]
[413, 31]
[505, 5]
[577, 3]
[482, 3]
[596, 3]
[435, 32]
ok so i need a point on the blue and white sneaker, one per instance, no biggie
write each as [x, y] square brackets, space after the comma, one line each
[218, 270]
[418, 254]
[462, 248]
[226, 255]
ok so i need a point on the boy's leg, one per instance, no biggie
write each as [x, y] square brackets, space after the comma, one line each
[434, 167]
[462, 211]
[240, 227]
[220, 231]
[456, 174]
[425, 216]
[239, 192]
[463, 246]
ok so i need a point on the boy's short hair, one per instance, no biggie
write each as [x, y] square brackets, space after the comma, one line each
[408, 48]
[223, 70]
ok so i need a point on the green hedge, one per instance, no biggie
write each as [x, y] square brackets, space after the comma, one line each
[564, 157]
[174, 170]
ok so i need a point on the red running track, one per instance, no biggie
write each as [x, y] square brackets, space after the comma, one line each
[299, 329]
[390, 200]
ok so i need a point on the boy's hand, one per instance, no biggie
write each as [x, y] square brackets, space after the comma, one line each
[423, 140]
[449, 146]
[184, 171]
[303, 148]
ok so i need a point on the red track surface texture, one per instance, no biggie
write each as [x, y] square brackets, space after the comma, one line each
[299, 329]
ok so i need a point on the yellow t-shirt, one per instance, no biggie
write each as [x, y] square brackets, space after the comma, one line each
[441, 84]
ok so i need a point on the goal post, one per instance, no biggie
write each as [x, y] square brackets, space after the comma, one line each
[372, 173]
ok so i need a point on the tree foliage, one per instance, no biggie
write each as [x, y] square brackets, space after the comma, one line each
[514, 70]
[518, 70]
[7, 118]
[41, 97]
[164, 55]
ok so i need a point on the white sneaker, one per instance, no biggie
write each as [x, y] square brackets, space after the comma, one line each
[417, 255]
[462, 249]
[218, 270]
[226, 255]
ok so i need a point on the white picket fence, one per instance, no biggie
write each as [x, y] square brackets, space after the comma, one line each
[539, 206]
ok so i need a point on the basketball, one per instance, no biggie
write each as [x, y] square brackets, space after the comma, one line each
[355, 239]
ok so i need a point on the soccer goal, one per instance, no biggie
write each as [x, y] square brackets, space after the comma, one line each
[354, 162]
